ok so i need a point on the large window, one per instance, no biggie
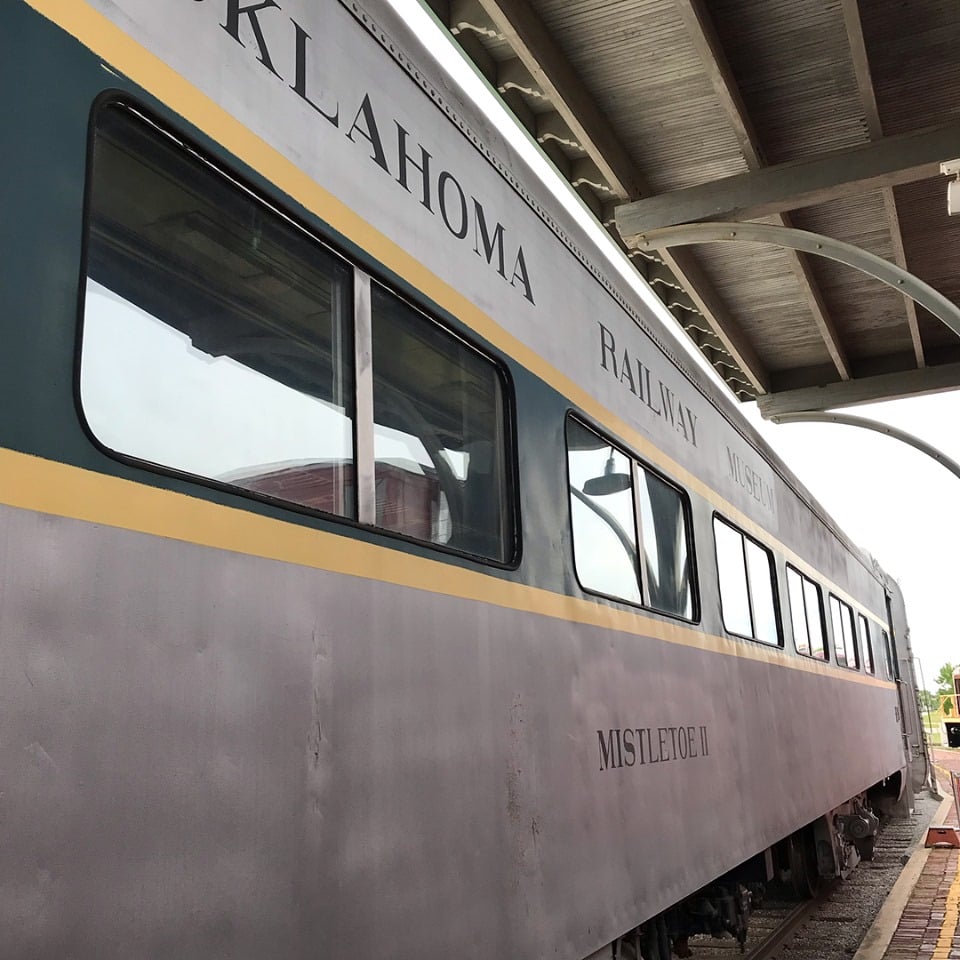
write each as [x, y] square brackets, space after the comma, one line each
[844, 637]
[747, 594]
[617, 503]
[215, 335]
[220, 341]
[806, 615]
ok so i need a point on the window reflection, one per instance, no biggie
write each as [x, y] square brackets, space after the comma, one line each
[734, 594]
[604, 523]
[866, 644]
[439, 437]
[844, 638]
[215, 337]
[747, 595]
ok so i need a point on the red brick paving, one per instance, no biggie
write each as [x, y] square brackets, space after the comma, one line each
[933, 905]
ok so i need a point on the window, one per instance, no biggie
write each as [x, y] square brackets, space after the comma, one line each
[616, 503]
[887, 654]
[866, 644]
[747, 596]
[806, 614]
[218, 341]
[215, 337]
[844, 638]
[439, 442]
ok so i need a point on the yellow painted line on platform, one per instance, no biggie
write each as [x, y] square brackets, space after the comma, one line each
[951, 915]
[877, 939]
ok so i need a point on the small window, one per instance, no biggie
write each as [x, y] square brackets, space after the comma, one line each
[439, 434]
[806, 614]
[844, 638]
[604, 519]
[747, 595]
[667, 562]
[616, 503]
[216, 336]
[887, 654]
[866, 644]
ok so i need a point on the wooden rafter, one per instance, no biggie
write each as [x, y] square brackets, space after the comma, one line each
[861, 66]
[703, 35]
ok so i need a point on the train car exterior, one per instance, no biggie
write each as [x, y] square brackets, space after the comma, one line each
[375, 574]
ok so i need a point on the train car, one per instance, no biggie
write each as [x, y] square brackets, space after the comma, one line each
[377, 574]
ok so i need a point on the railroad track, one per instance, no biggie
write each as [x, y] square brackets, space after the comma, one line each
[771, 927]
[769, 945]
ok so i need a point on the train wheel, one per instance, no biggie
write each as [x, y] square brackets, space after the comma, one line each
[804, 875]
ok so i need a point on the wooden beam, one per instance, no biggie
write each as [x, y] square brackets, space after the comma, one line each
[531, 41]
[861, 68]
[706, 41]
[818, 308]
[790, 186]
[889, 386]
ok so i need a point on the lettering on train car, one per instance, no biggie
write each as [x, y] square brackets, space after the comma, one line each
[387, 141]
[743, 474]
[636, 377]
[640, 746]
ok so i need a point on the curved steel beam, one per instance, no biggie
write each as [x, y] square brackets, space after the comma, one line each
[878, 427]
[812, 243]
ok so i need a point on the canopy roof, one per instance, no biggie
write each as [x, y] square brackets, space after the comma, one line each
[827, 117]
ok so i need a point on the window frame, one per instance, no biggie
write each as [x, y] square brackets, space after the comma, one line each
[363, 269]
[851, 620]
[636, 466]
[866, 645]
[885, 636]
[804, 580]
[774, 585]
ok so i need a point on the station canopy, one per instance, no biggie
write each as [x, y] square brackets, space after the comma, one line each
[773, 168]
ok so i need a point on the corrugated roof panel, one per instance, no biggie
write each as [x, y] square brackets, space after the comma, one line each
[791, 61]
[759, 286]
[914, 52]
[869, 315]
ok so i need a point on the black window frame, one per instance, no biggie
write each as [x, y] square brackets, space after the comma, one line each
[636, 464]
[774, 586]
[262, 192]
[866, 645]
[843, 605]
[804, 579]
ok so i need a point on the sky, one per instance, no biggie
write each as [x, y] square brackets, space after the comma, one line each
[891, 499]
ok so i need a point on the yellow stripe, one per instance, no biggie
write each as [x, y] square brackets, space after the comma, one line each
[109, 42]
[141, 66]
[45, 486]
[951, 916]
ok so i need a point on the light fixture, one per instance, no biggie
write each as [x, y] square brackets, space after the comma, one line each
[951, 168]
[610, 482]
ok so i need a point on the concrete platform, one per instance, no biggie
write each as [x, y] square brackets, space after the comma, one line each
[920, 918]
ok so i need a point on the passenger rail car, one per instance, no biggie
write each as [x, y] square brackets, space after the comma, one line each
[376, 577]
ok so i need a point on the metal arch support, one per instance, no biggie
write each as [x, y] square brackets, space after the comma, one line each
[806, 242]
[877, 426]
